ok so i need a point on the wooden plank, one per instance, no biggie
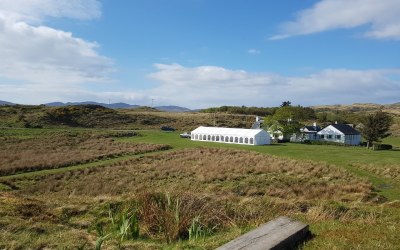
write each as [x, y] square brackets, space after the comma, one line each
[281, 233]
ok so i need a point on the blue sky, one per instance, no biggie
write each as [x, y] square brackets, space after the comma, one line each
[200, 53]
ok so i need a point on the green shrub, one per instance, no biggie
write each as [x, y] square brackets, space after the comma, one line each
[379, 146]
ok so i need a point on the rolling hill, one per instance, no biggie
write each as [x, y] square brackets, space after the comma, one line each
[6, 103]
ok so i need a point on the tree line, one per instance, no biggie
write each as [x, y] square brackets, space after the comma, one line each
[289, 119]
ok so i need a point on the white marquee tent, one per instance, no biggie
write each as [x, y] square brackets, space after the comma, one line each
[231, 135]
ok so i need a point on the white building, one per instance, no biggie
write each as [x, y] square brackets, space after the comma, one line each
[231, 135]
[310, 132]
[340, 133]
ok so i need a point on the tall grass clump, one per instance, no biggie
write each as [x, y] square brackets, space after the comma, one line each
[178, 217]
[119, 226]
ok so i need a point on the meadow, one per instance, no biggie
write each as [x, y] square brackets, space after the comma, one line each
[55, 150]
[195, 195]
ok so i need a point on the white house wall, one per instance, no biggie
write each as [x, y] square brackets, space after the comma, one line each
[331, 134]
[353, 139]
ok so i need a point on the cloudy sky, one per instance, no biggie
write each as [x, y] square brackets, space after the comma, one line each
[200, 53]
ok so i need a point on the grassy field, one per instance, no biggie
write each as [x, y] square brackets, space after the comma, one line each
[56, 150]
[392, 140]
[197, 195]
[347, 157]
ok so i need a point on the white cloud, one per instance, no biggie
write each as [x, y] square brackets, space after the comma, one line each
[253, 51]
[206, 86]
[381, 16]
[43, 54]
[33, 53]
[37, 10]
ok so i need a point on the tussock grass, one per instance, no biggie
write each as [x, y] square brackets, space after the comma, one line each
[220, 171]
[387, 171]
[62, 149]
[218, 193]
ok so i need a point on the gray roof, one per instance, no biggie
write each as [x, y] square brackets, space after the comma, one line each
[312, 128]
[346, 129]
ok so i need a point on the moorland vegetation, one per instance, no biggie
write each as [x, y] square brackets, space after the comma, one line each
[80, 177]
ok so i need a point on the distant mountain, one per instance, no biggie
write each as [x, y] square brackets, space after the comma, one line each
[118, 106]
[6, 103]
[111, 105]
[172, 109]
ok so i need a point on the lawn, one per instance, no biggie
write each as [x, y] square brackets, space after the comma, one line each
[392, 140]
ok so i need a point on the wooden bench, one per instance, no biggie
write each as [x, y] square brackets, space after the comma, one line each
[281, 233]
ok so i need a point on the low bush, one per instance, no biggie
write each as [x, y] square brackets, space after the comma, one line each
[379, 146]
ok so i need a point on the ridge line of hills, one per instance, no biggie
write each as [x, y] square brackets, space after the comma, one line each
[168, 108]
[172, 108]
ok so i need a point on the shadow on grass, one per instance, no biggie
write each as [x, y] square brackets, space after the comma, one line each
[276, 144]
[309, 236]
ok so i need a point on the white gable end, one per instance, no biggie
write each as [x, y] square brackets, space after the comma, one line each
[330, 130]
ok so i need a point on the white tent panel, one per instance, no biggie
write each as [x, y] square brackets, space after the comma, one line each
[231, 135]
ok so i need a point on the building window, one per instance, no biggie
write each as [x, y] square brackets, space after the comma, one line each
[322, 136]
[329, 136]
[338, 137]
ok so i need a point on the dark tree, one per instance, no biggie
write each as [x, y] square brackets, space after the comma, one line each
[376, 127]
[286, 104]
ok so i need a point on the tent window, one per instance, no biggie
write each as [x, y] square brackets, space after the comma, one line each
[217, 139]
[241, 140]
[246, 140]
[251, 141]
[236, 139]
[204, 137]
[213, 138]
[195, 137]
[226, 139]
[209, 137]
[231, 139]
